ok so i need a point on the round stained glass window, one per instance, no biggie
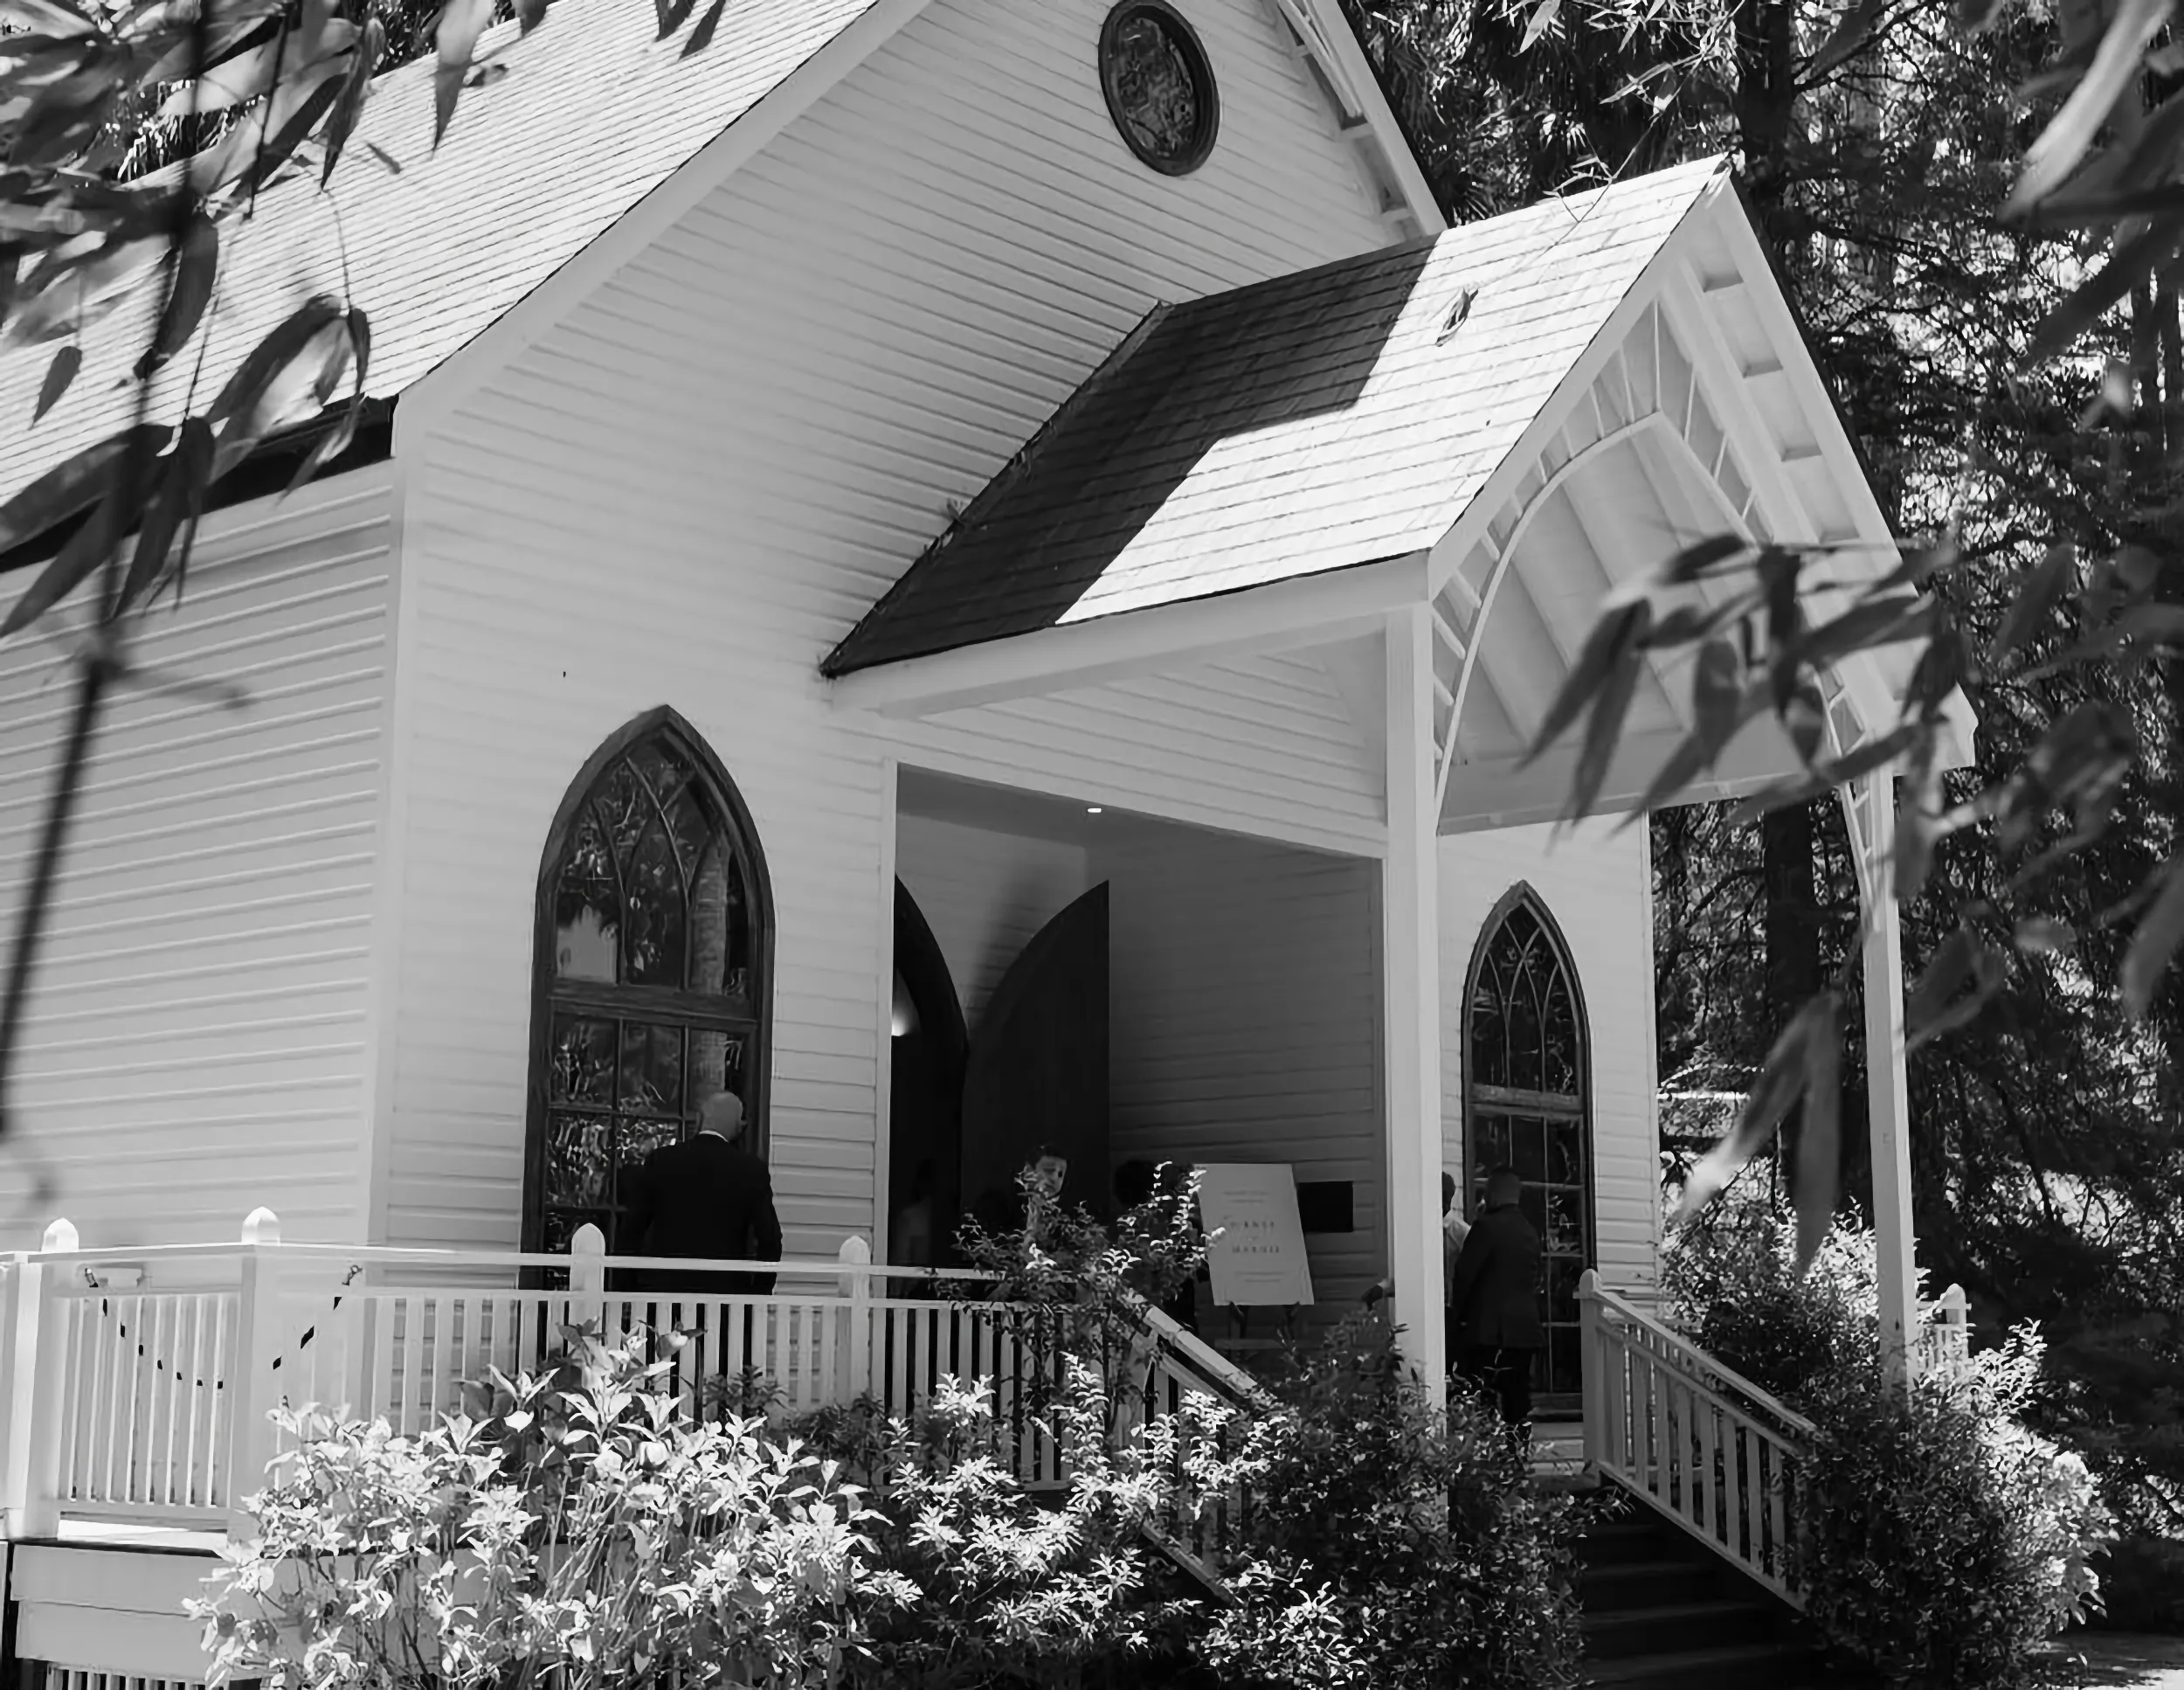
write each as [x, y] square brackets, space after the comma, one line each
[1159, 87]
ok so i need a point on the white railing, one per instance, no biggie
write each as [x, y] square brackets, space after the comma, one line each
[1174, 1365]
[1944, 1332]
[1697, 1442]
[142, 1382]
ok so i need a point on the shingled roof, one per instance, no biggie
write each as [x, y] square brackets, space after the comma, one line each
[591, 115]
[1338, 417]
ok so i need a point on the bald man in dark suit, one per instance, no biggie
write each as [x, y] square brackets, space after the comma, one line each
[1494, 1300]
[706, 1198]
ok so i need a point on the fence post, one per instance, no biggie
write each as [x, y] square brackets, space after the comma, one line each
[41, 1392]
[1593, 1346]
[857, 1337]
[587, 1278]
[251, 1437]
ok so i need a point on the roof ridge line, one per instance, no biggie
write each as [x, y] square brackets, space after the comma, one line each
[1102, 377]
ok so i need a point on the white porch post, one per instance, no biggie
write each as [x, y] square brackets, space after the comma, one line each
[1870, 804]
[1411, 987]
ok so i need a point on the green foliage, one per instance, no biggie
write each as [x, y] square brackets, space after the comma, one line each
[1004, 1586]
[585, 1535]
[1388, 1545]
[1944, 1541]
[1943, 1538]
[1731, 1285]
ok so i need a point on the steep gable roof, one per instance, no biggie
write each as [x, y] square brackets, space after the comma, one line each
[591, 115]
[1316, 422]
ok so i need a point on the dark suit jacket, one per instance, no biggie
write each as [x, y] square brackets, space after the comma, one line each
[703, 1197]
[1495, 1298]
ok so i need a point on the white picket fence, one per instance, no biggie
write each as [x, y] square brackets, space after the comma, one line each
[1702, 1444]
[142, 1382]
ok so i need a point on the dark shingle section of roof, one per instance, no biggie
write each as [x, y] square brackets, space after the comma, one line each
[1314, 422]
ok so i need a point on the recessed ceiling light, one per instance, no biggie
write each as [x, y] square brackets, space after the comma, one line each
[1093, 809]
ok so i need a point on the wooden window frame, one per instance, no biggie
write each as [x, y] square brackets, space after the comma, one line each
[1505, 1100]
[1201, 64]
[696, 1010]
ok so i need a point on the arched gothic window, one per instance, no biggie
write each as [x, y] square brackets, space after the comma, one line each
[1526, 1070]
[653, 971]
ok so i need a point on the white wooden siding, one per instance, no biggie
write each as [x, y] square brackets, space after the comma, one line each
[1262, 745]
[689, 490]
[985, 895]
[198, 1039]
[1246, 992]
[1597, 883]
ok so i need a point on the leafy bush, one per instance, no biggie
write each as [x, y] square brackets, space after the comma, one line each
[1003, 1587]
[1944, 1541]
[1391, 1545]
[1730, 1282]
[586, 1532]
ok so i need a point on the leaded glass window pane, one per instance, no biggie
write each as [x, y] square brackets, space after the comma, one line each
[1526, 1109]
[652, 984]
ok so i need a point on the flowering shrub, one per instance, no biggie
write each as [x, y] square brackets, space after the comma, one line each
[1005, 1586]
[586, 1534]
[1730, 1282]
[1389, 1544]
[1944, 1541]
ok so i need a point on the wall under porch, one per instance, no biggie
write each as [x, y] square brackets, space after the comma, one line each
[1246, 991]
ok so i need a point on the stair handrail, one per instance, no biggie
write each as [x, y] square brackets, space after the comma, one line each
[1225, 1379]
[1704, 1370]
[1696, 1441]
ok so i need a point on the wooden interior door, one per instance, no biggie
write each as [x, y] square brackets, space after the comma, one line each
[1037, 1073]
[925, 1087]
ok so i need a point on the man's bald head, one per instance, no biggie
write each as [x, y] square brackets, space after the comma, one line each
[723, 1112]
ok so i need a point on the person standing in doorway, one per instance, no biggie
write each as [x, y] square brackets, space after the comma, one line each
[1454, 1230]
[1496, 1299]
[708, 1199]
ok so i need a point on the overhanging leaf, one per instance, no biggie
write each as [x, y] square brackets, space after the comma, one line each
[2046, 936]
[1781, 1082]
[1603, 727]
[1819, 1134]
[356, 89]
[2037, 592]
[185, 474]
[1884, 621]
[58, 374]
[1615, 630]
[111, 474]
[1542, 20]
[274, 354]
[2127, 265]
[1964, 964]
[2051, 158]
[71, 486]
[1849, 39]
[1821, 779]
[2154, 940]
[197, 266]
[702, 37]
[455, 43]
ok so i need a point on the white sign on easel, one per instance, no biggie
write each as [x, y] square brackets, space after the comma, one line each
[1258, 1260]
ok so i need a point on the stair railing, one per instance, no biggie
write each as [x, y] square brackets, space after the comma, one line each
[1168, 1364]
[1694, 1440]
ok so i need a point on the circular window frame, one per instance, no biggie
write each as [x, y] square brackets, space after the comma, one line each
[1195, 60]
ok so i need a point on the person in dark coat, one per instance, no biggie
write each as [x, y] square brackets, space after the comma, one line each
[706, 1198]
[1496, 1298]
